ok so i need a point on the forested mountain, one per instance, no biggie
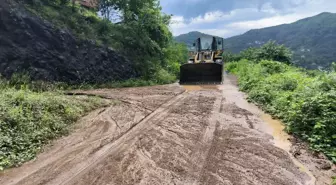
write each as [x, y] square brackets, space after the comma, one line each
[189, 38]
[313, 40]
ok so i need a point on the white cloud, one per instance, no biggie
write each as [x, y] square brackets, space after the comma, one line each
[268, 8]
[178, 25]
[239, 21]
[177, 20]
[210, 17]
[312, 8]
[267, 22]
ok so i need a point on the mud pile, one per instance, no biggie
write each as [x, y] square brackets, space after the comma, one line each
[30, 44]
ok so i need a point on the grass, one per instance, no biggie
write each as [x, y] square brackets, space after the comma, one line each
[160, 78]
[30, 119]
[18, 81]
[304, 100]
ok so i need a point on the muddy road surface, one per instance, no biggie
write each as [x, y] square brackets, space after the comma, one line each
[191, 135]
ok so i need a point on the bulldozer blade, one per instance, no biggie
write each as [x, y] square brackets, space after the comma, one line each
[203, 73]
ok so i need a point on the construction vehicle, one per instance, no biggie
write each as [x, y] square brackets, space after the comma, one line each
[206, 62]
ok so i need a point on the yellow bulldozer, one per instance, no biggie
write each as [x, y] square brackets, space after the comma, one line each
[205, 64]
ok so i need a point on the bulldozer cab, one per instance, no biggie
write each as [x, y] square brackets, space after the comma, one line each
[209, 44]
[205, 63]
[207, 50]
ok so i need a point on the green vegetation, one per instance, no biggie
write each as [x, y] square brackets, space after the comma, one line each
[29, 120]
[270, 51]
[305, 100]
[139, 31]
[161, 77]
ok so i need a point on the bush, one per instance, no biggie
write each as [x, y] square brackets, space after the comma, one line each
[270, 51]
[275, 52]
[163, 77]
[251, 54]
[306, 103]
[333, 67]
[230, 57]
[28, 120]
[232, 66]
[270, 67]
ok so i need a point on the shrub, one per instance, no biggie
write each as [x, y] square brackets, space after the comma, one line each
[28, 120]
[251, 54]
[271, 67]
[231, 66]
[333, 67]
[163, 77]
[230, 57]
[270, 51]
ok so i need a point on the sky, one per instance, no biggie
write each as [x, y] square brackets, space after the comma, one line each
[226, 18]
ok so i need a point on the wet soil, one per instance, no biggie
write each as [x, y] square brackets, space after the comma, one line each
[167, 135]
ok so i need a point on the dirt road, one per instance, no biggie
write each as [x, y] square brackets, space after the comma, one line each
[166, 135]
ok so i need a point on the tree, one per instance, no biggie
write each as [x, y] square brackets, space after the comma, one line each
[129, 9]
[175, 55]
[270, 51]
[273, 51]
[146, 37]
[333, 67]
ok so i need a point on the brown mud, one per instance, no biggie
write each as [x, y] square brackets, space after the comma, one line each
[169, 135]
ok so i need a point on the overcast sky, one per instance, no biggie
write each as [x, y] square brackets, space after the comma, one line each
[227, 18]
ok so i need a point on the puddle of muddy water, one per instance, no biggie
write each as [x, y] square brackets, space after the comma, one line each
[199, 87]
[281, 140]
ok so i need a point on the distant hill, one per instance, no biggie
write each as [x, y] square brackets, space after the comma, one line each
[189, 38]
[313, 40]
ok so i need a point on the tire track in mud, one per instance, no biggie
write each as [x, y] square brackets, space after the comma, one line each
[119, 144]
[200, 158]
[92, 137]
[198, 137]
[55, 163]
[163, 154]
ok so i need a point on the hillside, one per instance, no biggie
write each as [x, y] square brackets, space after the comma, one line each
[47, 53]
[72, 44]
[311, 39]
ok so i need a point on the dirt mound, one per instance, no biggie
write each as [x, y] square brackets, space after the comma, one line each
[30, 44]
